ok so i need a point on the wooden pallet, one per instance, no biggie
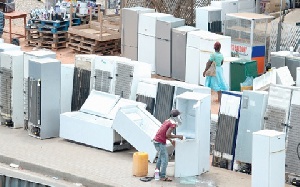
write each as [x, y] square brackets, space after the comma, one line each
[32, 34]
[55, 38]
[31, 43]
[91, 46]
[52, 46]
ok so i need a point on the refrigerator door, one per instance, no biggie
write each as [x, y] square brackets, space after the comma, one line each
[129, 52]
[179, 43]
[67, 73]
[192, 72]
[147, 23]
[252, 111]
[178, 55]
[130, 20]
[146, 50]
[277, 168]
[186, 159]
[163, 57]
[136, 120]
[164, 26]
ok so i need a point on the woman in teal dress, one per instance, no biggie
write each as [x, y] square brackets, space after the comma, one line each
[216, 83]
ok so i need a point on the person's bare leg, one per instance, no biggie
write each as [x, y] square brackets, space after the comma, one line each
[219, 96]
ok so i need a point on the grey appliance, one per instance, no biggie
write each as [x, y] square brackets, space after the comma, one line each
[179, 39]
[44, 97]
[252, 111]
[163, 43]
[292, 62]
[129, 39]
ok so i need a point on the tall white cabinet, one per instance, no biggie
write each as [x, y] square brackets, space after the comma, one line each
[268, 159]
[192, 154]
[11, 92]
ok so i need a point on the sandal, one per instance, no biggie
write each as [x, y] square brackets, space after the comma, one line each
[146, 179]
[166, 179]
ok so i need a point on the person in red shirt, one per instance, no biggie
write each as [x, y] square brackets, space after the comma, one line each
[160, 139]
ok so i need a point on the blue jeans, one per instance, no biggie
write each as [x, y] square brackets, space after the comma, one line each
[162, 160]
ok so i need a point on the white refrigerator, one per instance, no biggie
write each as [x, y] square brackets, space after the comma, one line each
[146, 37]
[228, 6]
[268, 159]
[129, 36]
[193, 154]
[11, 92]
[200, 45]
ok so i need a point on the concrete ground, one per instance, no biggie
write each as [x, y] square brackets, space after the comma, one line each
[62, 163]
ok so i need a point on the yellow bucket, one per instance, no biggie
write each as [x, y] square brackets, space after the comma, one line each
[140, 164]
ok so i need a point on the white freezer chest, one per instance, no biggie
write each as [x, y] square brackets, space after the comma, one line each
[11, 92]
[92, 125]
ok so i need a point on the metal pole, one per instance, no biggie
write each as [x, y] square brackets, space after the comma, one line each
[279, 29]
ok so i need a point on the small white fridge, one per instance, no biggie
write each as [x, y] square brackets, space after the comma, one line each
[268, 159]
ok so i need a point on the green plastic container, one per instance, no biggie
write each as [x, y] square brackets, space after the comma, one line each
[239, 71]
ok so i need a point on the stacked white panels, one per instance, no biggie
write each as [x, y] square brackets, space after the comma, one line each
[11, 92]
[252, 112]
[200, 45]
[284, 76]
[268, 158]
[228, 6]
[146, 37]
[67, 73]
[9, 47]
[195, 108]
[298, 77]
[130, 21]
[39, 54]
[163, 44]
[92, 125]
[264, 81]
[205, 16]
[44, 97]
[179, 44]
